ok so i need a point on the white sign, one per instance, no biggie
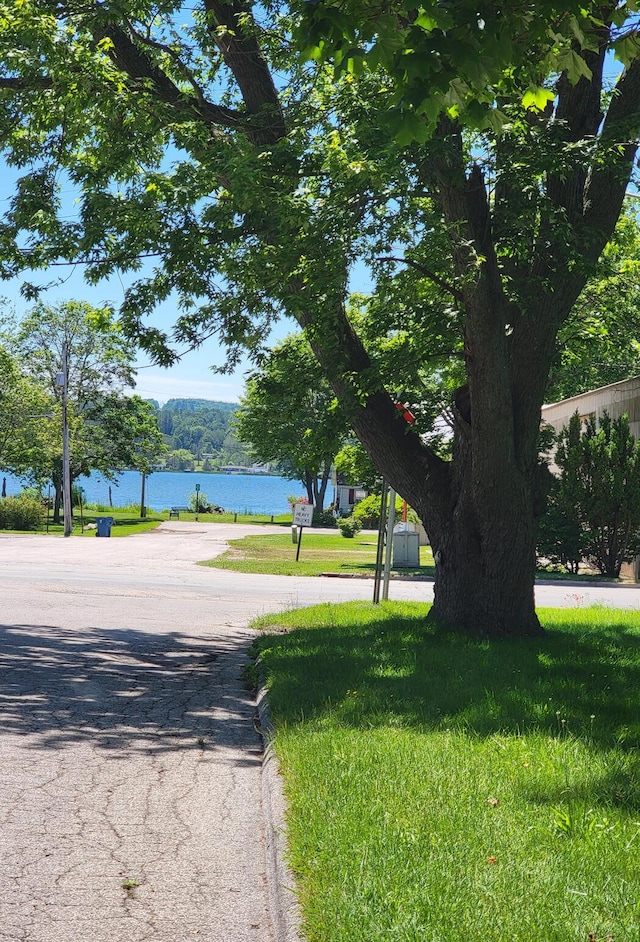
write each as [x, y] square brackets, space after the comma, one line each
[303, 515]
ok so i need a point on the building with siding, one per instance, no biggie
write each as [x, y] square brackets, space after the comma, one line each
[616, 399]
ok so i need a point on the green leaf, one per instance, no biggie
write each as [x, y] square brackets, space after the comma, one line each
[536, 98]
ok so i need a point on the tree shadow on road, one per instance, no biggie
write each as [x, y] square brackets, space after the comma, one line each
[124, 690]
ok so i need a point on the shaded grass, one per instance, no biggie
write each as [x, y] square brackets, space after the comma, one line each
[319, 553]
[447, 789]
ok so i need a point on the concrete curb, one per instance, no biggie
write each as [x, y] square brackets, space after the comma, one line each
[569, 583]
[283, 903]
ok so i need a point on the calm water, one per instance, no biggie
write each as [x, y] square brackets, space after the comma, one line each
[253, 493]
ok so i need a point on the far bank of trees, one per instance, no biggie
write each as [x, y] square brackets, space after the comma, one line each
[199, 433]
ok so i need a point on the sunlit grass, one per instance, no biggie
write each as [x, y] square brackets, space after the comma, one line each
[126, 521]
[319, 552]
[445, 789]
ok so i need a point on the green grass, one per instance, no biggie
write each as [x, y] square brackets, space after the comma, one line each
[226, 517]
[448, 790]
[126, 521]
[319, 552]
[282, 520]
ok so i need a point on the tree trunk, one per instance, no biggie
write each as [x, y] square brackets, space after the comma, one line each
[307, 483]
[320, 490]
[485, 567]
[57, 501]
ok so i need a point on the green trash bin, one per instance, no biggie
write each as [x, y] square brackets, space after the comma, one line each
[104, 525]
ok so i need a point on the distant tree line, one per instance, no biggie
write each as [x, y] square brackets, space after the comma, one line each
[200, 432]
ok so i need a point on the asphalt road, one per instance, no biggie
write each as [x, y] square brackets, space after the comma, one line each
[130, 765]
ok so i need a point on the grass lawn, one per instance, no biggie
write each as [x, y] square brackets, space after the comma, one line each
[319, 552]
[448, 790]
[126, 522]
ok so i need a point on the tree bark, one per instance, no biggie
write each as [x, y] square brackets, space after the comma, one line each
[57, 501]
[486, 553]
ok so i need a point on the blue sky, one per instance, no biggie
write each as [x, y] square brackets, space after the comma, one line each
[191, 378]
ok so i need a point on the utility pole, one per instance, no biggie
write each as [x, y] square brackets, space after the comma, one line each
[63, 381]
[391, 519]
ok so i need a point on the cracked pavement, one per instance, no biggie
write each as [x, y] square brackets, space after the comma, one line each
[130, 787]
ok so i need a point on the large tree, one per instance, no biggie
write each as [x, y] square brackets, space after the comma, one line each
[110, 430]
[479, 153]
[26, 429]
[289, 416]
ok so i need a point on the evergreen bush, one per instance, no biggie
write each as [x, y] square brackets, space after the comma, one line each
[349, 526]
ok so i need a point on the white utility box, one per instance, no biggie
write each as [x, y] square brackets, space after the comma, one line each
[406, 546]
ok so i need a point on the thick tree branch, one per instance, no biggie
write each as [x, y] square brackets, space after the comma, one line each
[613, 161]
[577, 118]
[398, 452]
[244, 58]
[22, 85]
[181, 66]
[139, 67]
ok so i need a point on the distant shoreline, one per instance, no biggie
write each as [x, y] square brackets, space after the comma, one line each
[262, 474]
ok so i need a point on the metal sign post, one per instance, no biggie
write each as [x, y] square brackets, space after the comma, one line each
[197, 499]
[381, 541]
[302, 517]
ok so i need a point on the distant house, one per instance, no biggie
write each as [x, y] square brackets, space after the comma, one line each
[244, 469]
[616, 399]
[347, 497]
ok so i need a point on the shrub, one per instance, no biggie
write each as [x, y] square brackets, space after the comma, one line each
[199, 501]
[324, 519]
[561, 539]
[595, 505]
[349, 526]
[367, 511]
[21, 513]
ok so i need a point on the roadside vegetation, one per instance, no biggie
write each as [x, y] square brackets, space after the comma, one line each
[450, 789]
[126, 521]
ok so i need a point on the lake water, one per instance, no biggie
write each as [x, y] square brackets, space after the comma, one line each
[238, 493]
